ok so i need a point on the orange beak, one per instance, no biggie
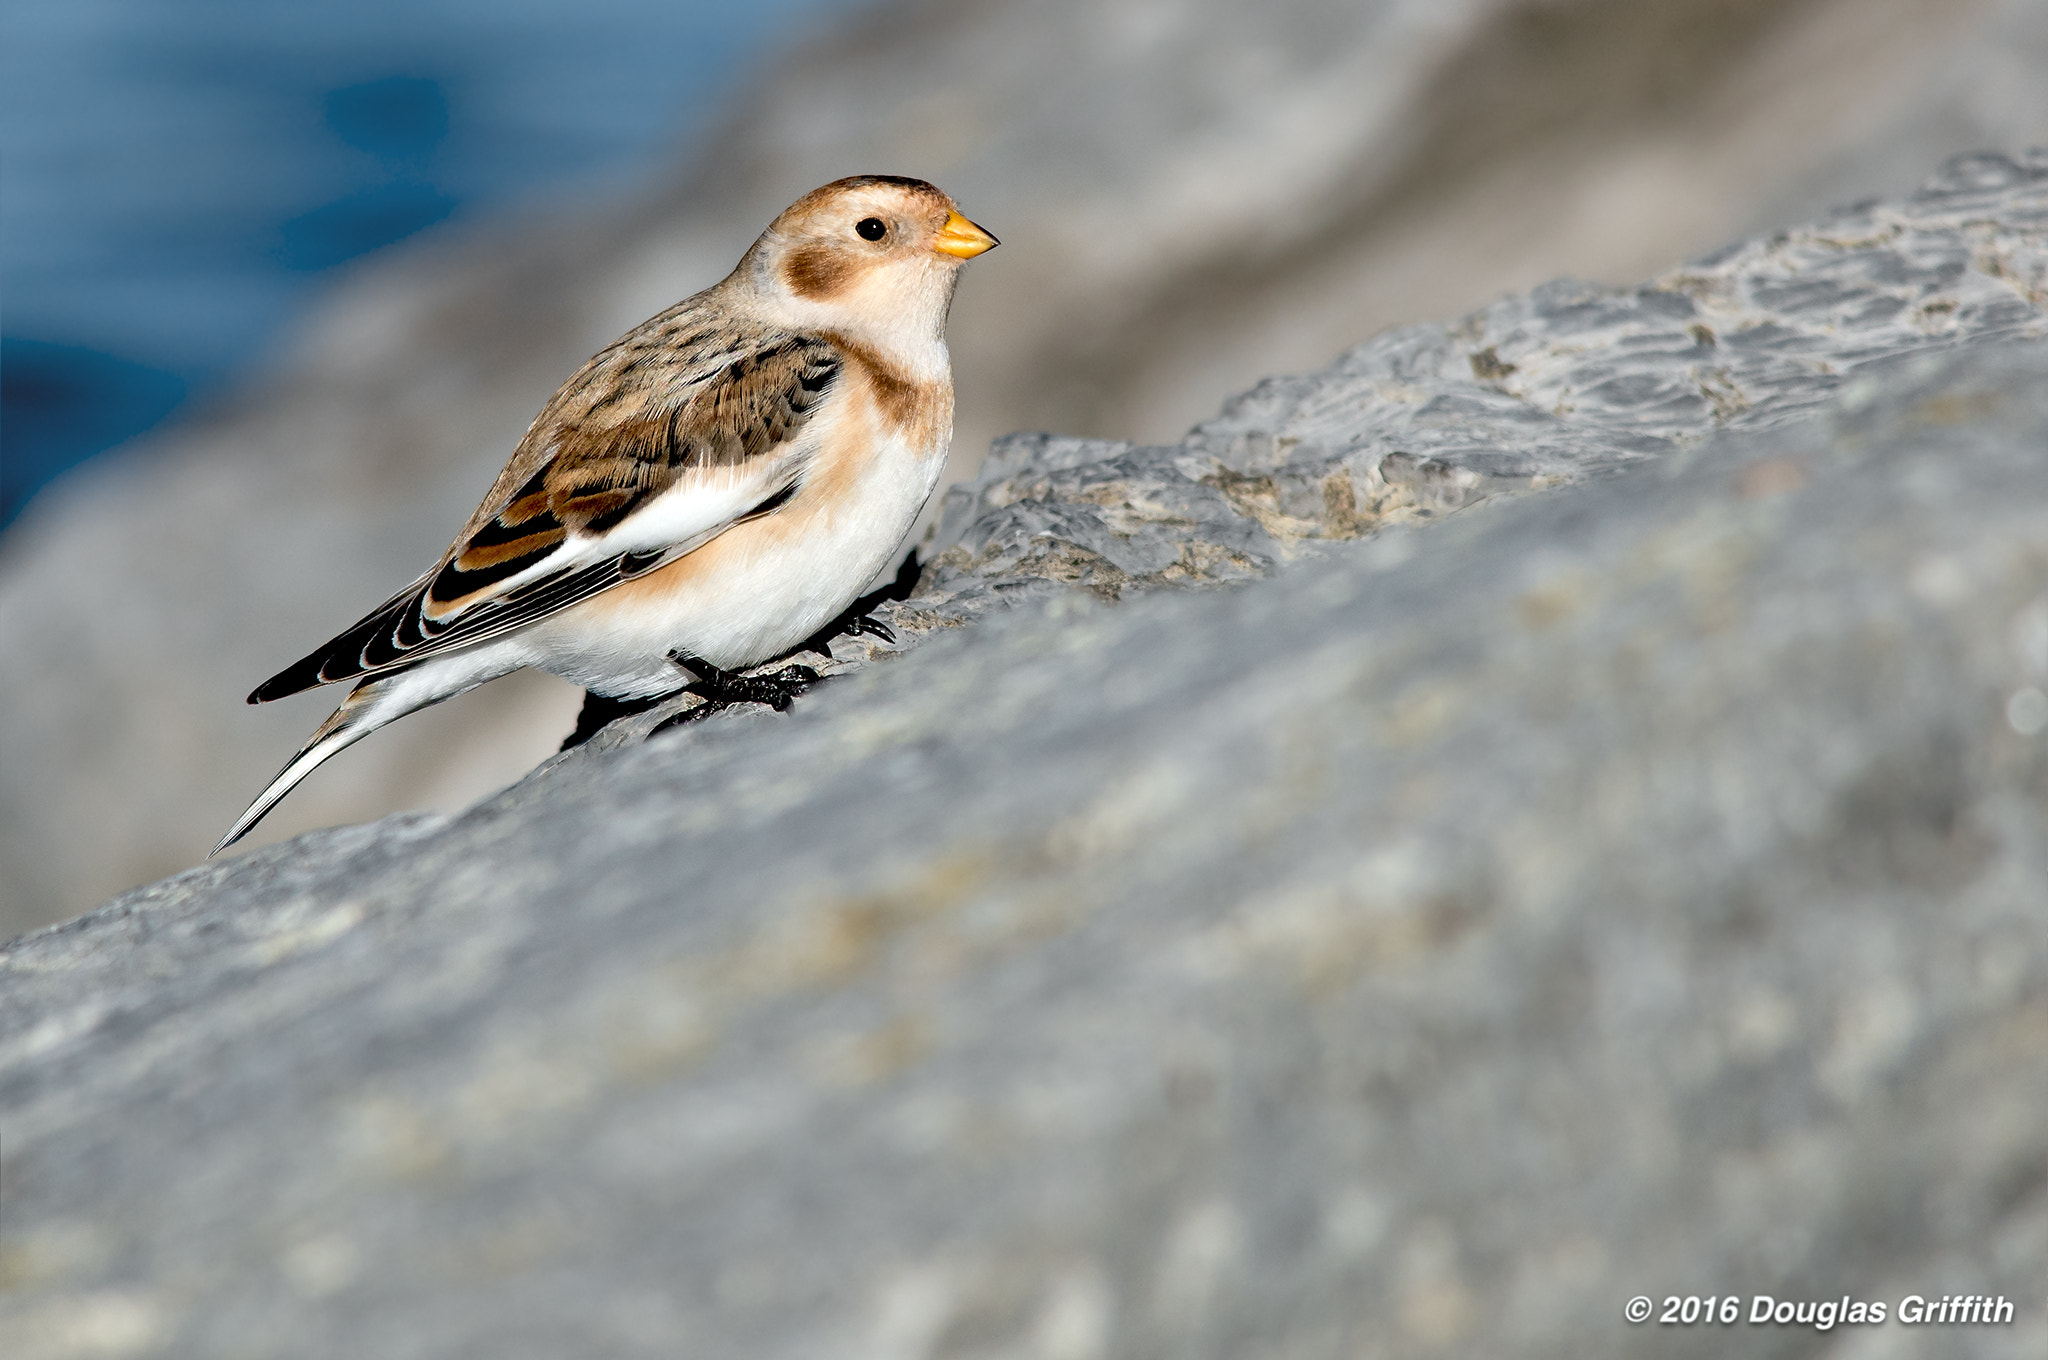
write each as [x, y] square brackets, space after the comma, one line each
[962, 238]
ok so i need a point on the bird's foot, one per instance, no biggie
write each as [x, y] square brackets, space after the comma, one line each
[858, 617]
[721, 689]
[853, 623]
[777, 689]
[854, 627]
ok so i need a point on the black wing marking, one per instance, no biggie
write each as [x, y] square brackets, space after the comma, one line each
[397, 634]
[590, 480]
[526, 531]
[400, 633]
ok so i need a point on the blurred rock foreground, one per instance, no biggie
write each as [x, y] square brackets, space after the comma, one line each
[1630, 884]
[1192, 196]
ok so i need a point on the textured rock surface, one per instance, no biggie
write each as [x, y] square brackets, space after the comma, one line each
[1567, 383]
[1632, 889]
[1192, 194]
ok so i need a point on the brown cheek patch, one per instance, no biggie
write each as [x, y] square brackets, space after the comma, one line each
[817, 272]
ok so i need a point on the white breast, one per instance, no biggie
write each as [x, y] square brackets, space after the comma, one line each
[757, 590]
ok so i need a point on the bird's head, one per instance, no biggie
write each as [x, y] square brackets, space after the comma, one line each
[873, 255]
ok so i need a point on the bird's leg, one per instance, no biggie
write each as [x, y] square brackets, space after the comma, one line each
[730, 687]
[600, 710]
[854, 620]
[721, 689]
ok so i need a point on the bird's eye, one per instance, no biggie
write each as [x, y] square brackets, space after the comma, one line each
[871, 228]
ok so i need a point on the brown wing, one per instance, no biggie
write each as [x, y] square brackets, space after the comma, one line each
[677, 399]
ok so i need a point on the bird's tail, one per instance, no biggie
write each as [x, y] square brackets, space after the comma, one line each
[369, 706]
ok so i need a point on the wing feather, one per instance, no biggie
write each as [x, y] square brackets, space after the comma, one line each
[661, 442]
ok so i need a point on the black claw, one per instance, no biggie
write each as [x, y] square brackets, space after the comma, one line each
[688, 715]
[722, 689]
[778, 690]
[873, 627]
[855, 621]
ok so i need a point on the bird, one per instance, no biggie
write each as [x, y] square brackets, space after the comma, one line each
[705, 495]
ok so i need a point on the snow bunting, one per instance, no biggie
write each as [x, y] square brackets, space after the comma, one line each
[705, 494]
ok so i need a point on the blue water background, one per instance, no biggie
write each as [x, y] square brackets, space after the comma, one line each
[175, 178]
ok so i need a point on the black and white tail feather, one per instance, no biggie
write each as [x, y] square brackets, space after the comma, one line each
[404, 668]
[697, 421]
[568, 530]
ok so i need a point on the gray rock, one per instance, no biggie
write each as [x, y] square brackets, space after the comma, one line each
[1565, 383]
[1192, 195]
[1631, 889]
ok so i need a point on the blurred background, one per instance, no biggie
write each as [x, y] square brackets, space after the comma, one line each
[280, 286]
[180, 181]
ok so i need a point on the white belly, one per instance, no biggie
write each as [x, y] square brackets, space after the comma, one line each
[752, 593]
